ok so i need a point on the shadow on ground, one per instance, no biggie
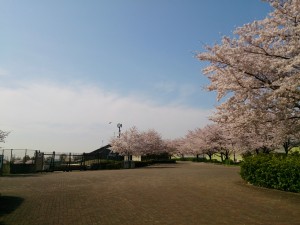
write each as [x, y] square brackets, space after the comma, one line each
[21, 175]
[159, 167]
[8, 204]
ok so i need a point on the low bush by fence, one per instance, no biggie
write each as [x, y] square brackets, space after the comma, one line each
[107, 165]
[205, 160]
[273, 171]
[22, 168]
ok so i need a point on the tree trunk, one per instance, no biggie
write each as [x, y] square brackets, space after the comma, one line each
[226, 154]
[286, 146]
[266, 150]
[210, 156]
[222, 156]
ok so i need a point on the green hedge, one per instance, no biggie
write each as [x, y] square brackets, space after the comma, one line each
[273, 171]
[107, 165]
[164, 161]
[139, 164]
[215, 161]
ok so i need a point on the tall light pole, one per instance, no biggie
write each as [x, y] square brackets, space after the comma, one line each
[119, 125]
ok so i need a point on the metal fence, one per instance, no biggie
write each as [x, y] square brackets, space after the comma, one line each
[14, 161]
[18, 160]
[63, 161]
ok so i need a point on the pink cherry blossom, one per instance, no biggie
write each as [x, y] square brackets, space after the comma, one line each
[256, 74]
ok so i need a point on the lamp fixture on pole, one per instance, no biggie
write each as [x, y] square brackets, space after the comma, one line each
[119, 125]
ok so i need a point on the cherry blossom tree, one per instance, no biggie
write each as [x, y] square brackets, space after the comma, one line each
[177, 147]
[201, 141]
[129, 143]
[209, 140]
[220, 139]
[257, 75]
[288, 135]
[135, 142]
[173, 146]
[152, 143]
[258, 69]
[194, 142]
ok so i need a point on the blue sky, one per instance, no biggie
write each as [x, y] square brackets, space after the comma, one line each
[68, 68]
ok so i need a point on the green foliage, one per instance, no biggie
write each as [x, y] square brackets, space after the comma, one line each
[206, 160]
[106, 165]
[160, 156]
[229, 162]
[273, 171]
[215, 161]
[139, 164]
[164, 161]
[200, 160]
[113, 166]
[6, 168]
[185, 159]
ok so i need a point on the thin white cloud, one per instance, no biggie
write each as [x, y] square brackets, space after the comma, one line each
[63, 118]
[164, 86]
[182, 91]
[187, 90]
[4, 72]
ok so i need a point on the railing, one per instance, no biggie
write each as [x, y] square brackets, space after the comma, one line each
[29, 161]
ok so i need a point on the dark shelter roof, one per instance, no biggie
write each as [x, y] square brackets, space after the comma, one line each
[103, 151]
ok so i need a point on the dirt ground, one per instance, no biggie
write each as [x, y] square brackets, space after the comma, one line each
[182, 194]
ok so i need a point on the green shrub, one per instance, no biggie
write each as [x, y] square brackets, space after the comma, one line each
[139, 164]
[200, 160]
[185, 159]
[228, 162]
[164, 161]
[214, 161]
[273, 171]
[113, 165]
[106, 165]
[6, 168]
